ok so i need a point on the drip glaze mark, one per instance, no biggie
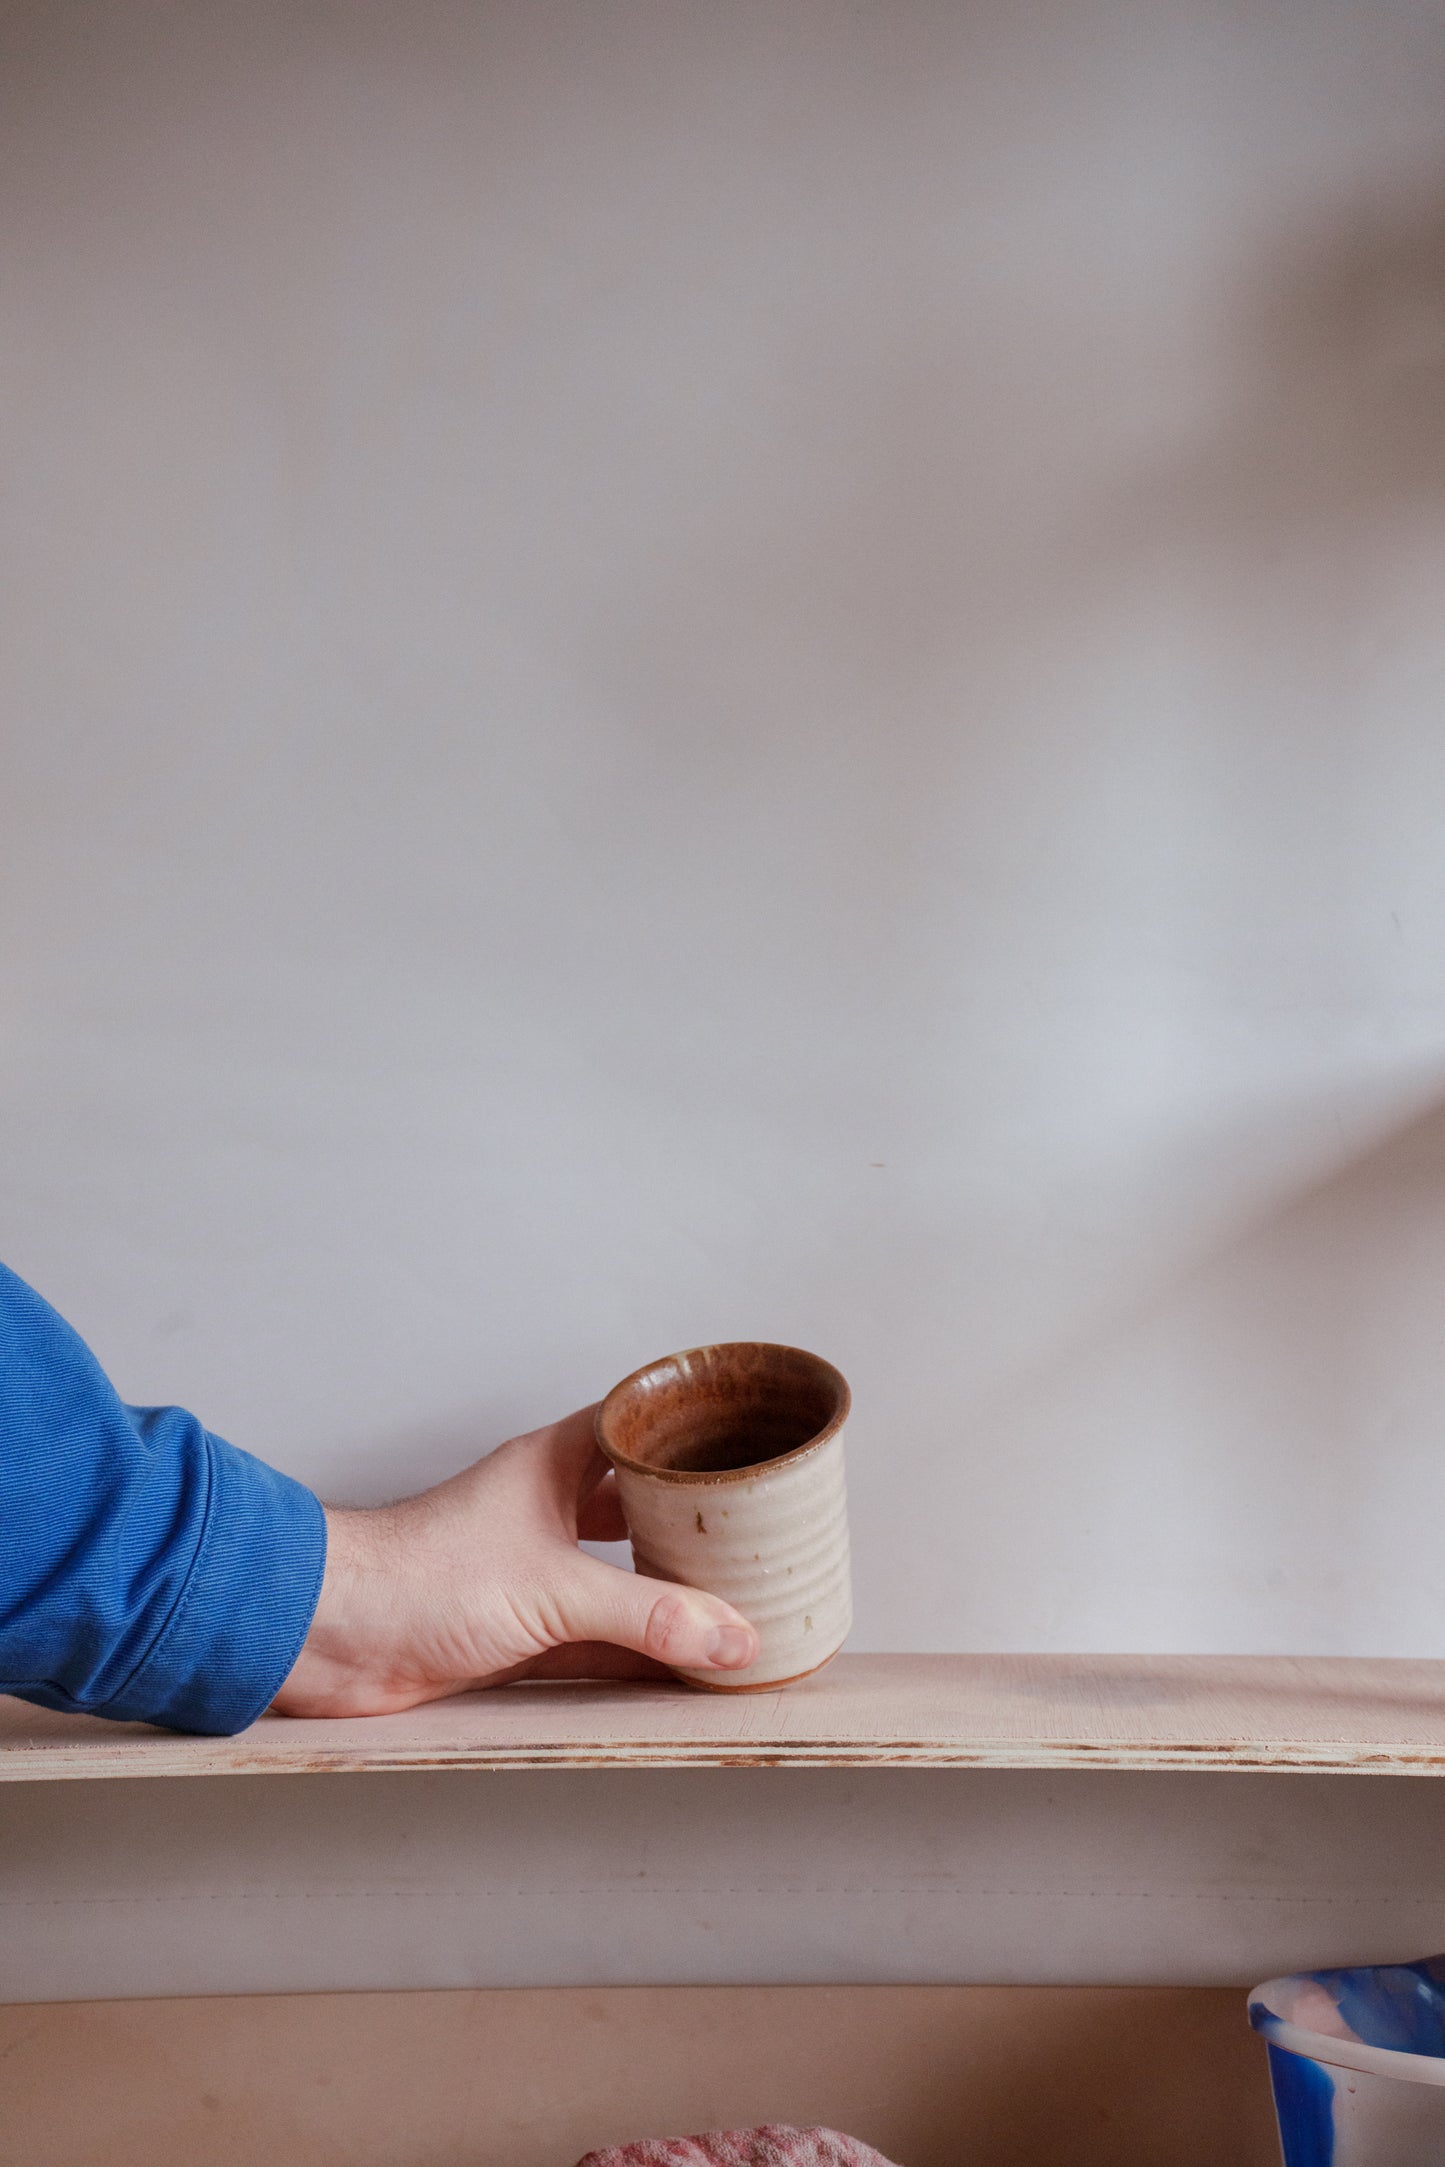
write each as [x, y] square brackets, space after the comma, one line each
[1304, 2099]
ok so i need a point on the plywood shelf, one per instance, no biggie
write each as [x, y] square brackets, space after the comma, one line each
[940, 1819]
[1319, 1714]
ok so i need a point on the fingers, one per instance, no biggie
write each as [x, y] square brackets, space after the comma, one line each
[601, 1518]
[681, 1627]
[570, 1459]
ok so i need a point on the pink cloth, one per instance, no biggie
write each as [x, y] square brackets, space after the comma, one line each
[774, 2146]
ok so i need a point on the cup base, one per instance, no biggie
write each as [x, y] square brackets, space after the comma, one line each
[762, 1685]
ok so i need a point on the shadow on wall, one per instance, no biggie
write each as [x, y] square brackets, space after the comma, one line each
[898, 520]
[1003, 661]
[1318, 1329]
[1304, 1353]
[1297, 531]
[1293, 1381]
[1314, 1339]
[1346, 411]
[1288, 520]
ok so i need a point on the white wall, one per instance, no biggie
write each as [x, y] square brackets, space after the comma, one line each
[705, 669]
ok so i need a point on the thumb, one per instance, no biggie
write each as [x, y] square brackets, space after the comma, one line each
[679, 1626]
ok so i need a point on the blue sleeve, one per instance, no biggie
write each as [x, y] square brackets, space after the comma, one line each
[149, 1571]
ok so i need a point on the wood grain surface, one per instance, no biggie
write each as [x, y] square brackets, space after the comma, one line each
[1319, 1714]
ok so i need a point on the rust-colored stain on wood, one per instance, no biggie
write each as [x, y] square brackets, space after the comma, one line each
[1240, 1713]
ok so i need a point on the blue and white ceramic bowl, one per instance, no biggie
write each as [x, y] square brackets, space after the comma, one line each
[1357, 2060]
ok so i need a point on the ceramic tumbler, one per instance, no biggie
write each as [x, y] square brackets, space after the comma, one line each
[1357, 2061]
[729, 1464]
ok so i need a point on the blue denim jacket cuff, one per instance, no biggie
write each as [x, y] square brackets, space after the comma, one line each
[247, 1605]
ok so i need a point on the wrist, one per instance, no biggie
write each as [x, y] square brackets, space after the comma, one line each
[347, 1661]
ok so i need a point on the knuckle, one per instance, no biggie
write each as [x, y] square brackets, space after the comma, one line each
[667, 1628]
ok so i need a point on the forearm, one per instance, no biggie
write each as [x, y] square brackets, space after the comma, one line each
[149, 1571]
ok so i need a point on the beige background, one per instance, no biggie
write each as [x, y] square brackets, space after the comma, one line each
[936, 2076]
[678, 670]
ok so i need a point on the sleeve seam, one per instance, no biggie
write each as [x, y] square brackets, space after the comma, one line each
[183, 1597]
[307, 1616]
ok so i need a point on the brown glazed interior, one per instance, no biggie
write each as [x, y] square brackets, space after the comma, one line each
[716, 1412]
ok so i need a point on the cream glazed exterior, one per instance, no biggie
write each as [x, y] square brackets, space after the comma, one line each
[729, 1463]
[773, 1544]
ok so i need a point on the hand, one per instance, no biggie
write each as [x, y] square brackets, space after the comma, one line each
[480, 1581]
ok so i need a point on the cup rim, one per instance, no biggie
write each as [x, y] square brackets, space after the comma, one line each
[1312, 2046]
[697, 1478]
